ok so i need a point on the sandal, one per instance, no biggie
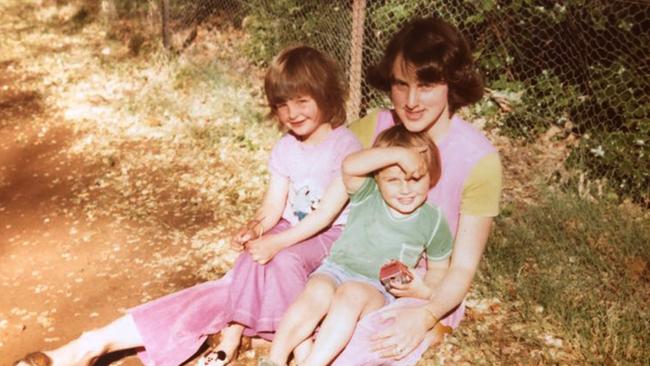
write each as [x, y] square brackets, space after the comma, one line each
[34, 359]
[212, 358]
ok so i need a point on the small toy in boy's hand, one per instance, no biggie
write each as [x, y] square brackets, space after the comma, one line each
[394, 271]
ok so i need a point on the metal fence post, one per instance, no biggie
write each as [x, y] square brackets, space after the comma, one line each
[356, 58]
[164, 10]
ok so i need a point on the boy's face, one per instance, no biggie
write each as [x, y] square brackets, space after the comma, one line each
[402, 196]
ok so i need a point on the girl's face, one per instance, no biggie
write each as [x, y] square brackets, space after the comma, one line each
[419, 105]
[302, 116]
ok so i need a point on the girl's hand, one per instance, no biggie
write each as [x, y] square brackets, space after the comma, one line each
[415, 288]
[412, 162]
[250, 231]
[409, 326]
[263, 249]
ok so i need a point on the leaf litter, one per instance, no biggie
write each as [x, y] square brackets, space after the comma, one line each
[177, 150]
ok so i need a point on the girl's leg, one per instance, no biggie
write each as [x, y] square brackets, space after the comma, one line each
[302, 317]
[230, 340]
[351, 302]
[119, 335]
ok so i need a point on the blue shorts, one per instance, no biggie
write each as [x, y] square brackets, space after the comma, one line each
[341, 275]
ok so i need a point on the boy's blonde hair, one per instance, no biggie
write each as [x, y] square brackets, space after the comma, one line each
[398, 135]
[302, 70]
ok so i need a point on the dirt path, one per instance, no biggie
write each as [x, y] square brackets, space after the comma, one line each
[64, 268]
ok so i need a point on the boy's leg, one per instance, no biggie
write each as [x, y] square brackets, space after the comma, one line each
[351, 301]
[302, 317]
[303, 350]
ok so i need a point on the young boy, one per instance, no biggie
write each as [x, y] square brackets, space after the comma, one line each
[389, 220]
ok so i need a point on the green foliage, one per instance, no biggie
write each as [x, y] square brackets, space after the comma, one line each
[274, 25]
[593, 81]
[617, 157]
[130, 8]
[586, 81]
[545, 101]
[585, 264]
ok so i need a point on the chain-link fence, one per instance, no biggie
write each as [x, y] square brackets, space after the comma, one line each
[559, 69]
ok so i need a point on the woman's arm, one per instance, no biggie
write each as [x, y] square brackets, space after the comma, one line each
[411, 324]
[264, 249]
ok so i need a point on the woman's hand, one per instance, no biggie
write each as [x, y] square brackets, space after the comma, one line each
[415, 288]
[408, 327]
[263, 249]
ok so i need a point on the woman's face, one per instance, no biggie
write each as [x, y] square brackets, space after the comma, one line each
[419, 105]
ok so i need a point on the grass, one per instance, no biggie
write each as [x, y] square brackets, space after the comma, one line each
[585, 264]
[185, 137]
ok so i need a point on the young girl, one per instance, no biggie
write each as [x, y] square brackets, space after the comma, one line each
[389, 219]
[306, 95]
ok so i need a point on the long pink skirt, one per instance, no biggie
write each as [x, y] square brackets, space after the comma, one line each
[175, 326]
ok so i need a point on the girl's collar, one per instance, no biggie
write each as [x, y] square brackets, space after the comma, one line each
[327, 137]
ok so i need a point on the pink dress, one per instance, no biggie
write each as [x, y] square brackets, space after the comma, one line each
[175, 326]
[460, 151]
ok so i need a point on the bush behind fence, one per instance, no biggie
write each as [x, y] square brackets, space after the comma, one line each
[580, 67]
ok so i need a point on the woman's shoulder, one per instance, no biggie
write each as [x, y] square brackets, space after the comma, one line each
[343, 135]
[467, 134]
[365, 127]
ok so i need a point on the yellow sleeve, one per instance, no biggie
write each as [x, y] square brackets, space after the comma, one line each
[482, 189]
[364, 128]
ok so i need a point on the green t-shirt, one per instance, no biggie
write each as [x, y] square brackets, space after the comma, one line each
[374, 235]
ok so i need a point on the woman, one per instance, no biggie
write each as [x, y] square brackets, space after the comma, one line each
[428, 72]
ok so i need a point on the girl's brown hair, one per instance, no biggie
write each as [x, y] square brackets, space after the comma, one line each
[302, 70]
[439, 53]
[398, 135]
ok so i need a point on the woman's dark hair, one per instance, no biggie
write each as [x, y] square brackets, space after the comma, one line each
[439, 54]
[304, 70]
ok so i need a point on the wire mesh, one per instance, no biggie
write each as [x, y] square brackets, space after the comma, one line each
[577, 67]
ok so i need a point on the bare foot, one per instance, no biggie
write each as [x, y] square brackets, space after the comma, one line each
[227, 348]
[82, 351]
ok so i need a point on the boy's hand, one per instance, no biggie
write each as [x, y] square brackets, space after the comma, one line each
[263, 249]
[415, 288]
[412, 162]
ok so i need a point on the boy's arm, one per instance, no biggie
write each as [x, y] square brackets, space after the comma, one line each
[422, 288]
[357, 166]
